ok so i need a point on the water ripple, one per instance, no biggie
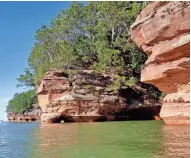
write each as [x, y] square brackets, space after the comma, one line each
[143, 139]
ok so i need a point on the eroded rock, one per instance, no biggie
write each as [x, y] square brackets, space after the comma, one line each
[162, 30]
[28, 116]
[85, 98]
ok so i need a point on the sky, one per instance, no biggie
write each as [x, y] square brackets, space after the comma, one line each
[18, 24]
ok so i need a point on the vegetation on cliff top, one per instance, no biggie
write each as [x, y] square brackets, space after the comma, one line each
[93, 36]
[22, 101]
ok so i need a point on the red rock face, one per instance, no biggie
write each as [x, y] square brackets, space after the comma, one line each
[84, 101]
[29, 115]
[23, 118]
[85, 98]
[162, 30]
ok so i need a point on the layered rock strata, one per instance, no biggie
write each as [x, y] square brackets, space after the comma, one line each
[29, 115]
[162, 30]
[86, 98]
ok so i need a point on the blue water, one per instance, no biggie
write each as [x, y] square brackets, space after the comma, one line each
[133, 139]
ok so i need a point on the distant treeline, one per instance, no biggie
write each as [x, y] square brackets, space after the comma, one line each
[22, 102]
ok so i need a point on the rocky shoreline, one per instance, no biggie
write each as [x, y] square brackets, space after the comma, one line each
[162, 30]
[87, 99]
[30, 115]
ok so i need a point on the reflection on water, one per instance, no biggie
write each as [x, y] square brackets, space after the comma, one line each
[52, 140]
[135, 139]
[176, 140]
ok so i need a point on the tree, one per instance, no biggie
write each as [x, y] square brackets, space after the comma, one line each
[94, 36]
[26, 79]
[21, 102]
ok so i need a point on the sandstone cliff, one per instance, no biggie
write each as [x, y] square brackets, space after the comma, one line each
[29, 115]
[162, 30]
[85, 97]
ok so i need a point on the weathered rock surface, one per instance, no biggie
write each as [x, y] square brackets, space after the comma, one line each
[85, 98]
[162, 30]
[28, 116]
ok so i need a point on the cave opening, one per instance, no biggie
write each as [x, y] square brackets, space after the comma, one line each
[33, 119]
[143, 114]
[135, 98]
[138, 114]
[62, 119]
[135, 114]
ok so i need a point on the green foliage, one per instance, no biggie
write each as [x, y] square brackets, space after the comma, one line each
[22, 102]
[96, 93]
[89, 86]
[156, 94]
[122, 82]
[162, 95]
[94, 36]
[27, 79]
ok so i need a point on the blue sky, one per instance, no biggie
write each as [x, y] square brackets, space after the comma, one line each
[18, 23]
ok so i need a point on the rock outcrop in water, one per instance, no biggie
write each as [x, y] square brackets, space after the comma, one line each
[162, 30]
[29, 115]
[85, 98]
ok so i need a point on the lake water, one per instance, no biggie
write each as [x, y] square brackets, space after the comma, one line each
[132, 139]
